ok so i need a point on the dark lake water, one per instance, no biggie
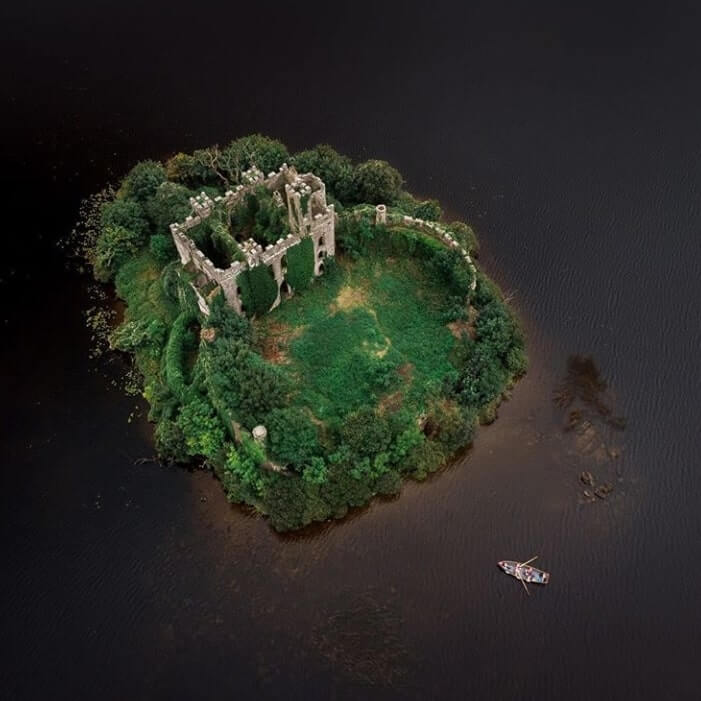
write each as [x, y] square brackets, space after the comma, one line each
[571, 140]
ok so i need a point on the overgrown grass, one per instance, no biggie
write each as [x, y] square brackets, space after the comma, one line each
[372, 328]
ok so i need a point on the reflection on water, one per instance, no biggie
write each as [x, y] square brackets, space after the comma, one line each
[360, 635]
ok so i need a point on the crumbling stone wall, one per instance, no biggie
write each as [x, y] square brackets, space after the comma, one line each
[430, 228]
[309, 216]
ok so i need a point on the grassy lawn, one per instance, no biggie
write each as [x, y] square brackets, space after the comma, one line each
[372, 333]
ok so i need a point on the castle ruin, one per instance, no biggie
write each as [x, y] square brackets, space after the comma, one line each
[308, 214]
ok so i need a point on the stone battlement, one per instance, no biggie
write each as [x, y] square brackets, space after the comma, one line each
[309, 215]
[430, 228]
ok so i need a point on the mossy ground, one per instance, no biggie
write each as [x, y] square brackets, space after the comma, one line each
[371, 332]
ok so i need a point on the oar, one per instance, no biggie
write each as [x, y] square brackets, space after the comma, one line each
[524, 584]
[521, 564]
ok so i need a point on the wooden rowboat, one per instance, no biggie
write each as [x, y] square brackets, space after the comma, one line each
[524, 572]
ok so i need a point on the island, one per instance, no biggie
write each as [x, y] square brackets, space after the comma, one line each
[302, 324]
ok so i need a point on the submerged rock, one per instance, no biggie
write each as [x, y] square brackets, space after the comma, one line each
[603, 490]
[587, 478]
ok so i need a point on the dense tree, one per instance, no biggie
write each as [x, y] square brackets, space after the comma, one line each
[162, 248]
[115, 246]
[377, 182]
[249, 387]
[201, 428]
[128, 214]
[256, 150]
[170, 203]
[143, 180]
[334, 169]
[292, 437]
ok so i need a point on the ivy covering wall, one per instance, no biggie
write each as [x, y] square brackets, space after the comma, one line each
[258, 289]
[300, 265]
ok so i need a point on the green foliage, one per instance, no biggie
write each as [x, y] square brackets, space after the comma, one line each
[355, 236]
[265, 153]
[170, 441]
[430, 210]
[224, 248]
[227, 323]
[365, 432]
[143, 180]
[292, 437]
[448, 268]
[377, 182]
[162, 248]
[244, 464]
[425, 458]
[114, 247]
[465, 236]
[316, 471]
[169, 204]
[258, 289]
[126, 214]
[300, 265]
[138, 334]
[450, 424]
[258, 216]
[194, 170]
[201, 428]
[181, 340]
[247, 386]
[334, 169]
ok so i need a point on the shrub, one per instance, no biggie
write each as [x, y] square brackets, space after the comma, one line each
[170, 441]
[430, 210]
[365, 433]
[300, 265]
[465, 236]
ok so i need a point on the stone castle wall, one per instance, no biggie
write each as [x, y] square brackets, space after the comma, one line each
[308, 215]
[435, 231]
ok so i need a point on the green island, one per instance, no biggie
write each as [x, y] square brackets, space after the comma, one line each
[302, 325]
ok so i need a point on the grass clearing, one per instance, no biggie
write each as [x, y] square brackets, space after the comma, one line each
[371, 334]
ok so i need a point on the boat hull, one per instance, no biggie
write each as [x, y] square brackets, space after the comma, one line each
[525, 572]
